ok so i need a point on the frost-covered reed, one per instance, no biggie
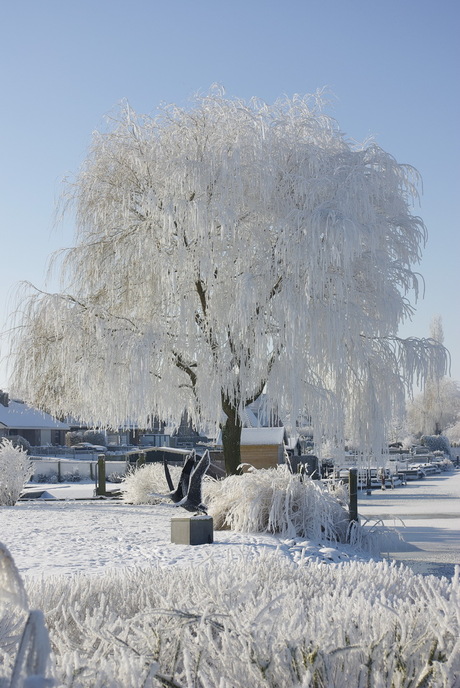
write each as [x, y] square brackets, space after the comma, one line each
[270, 501]
[15, 470]
[143, 485]
[276, 501]
[251, 620]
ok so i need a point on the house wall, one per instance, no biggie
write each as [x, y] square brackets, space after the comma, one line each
[32, 436]
[262, 455]
[45, 437]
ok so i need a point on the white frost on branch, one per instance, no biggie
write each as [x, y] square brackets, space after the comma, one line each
[226, 249]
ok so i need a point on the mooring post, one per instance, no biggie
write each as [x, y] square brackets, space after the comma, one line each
[353, 489]
[100, 487]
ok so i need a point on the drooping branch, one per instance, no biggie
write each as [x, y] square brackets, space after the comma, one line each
[187, 368]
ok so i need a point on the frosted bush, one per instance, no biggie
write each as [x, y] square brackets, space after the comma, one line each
[276, 501]
[15, 470]
[259, 621]
[149, 478]
[71, 477]
[436, 443]
[270, 500]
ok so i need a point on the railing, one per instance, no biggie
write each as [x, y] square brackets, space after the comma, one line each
[69, 470]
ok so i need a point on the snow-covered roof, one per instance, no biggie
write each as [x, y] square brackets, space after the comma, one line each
[259, 436]
[262, 436]
[18, 415]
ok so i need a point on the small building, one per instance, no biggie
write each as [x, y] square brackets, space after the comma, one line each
[37, 427]
[262, 447]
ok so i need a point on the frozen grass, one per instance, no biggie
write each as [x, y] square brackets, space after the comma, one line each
[258, 617]
[15, 471]
[250, 620]
[275, 501]
[271, 501]
[143, 485]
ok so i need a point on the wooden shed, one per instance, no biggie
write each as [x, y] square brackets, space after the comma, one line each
[262, 447]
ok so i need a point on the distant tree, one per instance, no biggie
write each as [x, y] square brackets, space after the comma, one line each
[438, 406]
[20, 441]
[436, 409]
[225, 250]
[15, 470]
[94, 436]
[73, 437]
[436, 443]
[453, 433]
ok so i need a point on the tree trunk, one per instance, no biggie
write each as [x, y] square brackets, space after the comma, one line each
[231, 440]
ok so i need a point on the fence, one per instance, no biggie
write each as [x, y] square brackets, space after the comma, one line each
[70, 470]
[73, 466]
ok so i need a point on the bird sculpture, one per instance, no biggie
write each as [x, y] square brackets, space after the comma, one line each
[188, 493]
[177, 494]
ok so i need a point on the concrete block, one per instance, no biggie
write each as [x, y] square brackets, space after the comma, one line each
[192, 530]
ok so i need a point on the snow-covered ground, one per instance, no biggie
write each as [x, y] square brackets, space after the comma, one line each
[49, 537]
[76, 535]
[131, 609]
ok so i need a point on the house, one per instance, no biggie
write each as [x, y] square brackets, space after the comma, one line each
[37, 427]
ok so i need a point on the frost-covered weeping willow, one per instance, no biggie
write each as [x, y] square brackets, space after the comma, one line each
[226, 249]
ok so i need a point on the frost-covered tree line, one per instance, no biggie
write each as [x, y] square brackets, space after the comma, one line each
[436, 410]
[227, 249]
[92, 436]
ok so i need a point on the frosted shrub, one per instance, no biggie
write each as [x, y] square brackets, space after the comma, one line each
[71, 477]
[253, 621]
[15, 470]
[436, 443]
[276, 501]
[141, 482]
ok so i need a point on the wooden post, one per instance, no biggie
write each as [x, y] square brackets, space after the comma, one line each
[353, 487]
[100, 487]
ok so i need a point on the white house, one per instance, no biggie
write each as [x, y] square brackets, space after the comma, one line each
[37, 427]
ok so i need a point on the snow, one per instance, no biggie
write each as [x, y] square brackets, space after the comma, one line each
[22, 416]
[64, 532]
[427, 515]
[258, 436]
[68, 537]
[232, 613]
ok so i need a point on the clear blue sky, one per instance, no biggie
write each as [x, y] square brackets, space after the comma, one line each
[391, 66]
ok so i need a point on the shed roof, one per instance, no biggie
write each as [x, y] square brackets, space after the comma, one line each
[273, 436]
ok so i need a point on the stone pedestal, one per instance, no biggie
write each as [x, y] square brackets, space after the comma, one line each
[192, 530]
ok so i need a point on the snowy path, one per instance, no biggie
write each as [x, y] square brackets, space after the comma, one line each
[427, 515]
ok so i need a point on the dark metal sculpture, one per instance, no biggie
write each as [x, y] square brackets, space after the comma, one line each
[182, 487]
[188, 493]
